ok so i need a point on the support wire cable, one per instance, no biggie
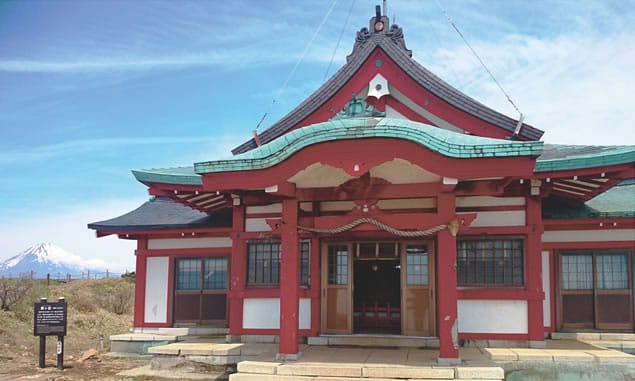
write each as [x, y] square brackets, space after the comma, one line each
[295, 67]
[339, 39]
[509, 99]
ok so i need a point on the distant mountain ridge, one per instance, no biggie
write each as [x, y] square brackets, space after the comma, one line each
[48, 258]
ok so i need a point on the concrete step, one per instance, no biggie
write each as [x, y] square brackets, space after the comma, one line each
[371, 341]
[273, 371]
[139, 343]
[205, 352]
[594, 336]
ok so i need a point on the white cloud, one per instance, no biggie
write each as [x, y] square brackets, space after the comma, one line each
[68, 230]
[576, 88]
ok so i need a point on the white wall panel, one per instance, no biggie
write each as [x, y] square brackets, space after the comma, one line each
[546, 287]
[156, 310]
[256, 225]
[189, 243]
[272, 208]
[492, 316]
[589, 235]
[264, 313]
[479, 201]
[504, 218]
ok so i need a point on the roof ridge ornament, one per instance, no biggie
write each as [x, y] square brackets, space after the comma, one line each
[380, 26]
[357, 108]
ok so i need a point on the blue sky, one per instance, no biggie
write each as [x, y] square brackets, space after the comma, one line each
[92, 89]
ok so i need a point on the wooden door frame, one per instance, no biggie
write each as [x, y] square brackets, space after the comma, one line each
[594, 292]
[432, 270]
[324, 245]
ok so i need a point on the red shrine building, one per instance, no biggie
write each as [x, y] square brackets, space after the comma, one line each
[389, 203]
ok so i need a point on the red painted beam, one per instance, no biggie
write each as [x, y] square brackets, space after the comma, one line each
[365, 153]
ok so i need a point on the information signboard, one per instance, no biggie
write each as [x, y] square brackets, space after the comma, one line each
[50, 319]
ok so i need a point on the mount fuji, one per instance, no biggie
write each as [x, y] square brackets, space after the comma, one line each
[47, 258]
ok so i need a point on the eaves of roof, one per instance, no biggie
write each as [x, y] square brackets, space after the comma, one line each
[163, 213]
[567, 157]
[417, 72]
[617, 202]
[444, 142]
[178, 175]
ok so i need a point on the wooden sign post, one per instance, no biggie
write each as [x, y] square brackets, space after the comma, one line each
[49, 319]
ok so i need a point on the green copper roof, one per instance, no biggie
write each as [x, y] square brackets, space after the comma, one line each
[446, 143]
[179, 175]
[618, 201]
[565, 157]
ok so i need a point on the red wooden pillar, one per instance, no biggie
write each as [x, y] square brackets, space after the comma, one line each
[447, 295]
[535, 318]
[238, 272]
[140, 283]
[289, 283]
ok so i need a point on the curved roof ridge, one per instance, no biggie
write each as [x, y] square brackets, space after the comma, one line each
[447, 143]
[393, 44]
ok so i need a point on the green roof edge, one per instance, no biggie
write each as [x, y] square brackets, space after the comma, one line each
[621, 155]
[446, 143]
[166, 177]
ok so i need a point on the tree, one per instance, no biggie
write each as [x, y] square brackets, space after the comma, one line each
[12, 290]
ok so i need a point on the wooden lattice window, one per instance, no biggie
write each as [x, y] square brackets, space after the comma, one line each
[263, 263]
[490, 262]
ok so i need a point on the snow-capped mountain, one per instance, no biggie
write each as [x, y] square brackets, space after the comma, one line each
[47, 258]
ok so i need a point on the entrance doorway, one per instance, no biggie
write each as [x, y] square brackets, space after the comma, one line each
[378, 288]
[377, 296]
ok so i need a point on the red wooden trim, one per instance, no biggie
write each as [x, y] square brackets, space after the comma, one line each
[198, 252]
[315, 286]
[346, 153]
[626, 245]
[155, 325]
[495, 230]
[533, 269]
[140, 284]
[493, 336]
[499, 294]
[170, 299]
[262, 215]
[238, 271]
[590, 223]
[500, 208]
[446, 278]
[289, 280]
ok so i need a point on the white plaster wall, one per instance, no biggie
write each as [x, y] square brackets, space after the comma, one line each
[189, 243]
[407, 203]
[156, 310]
[492, 316]
[503, 218]
[264, 313]
[332, 206]
[476, 201]
[272, 208]
[546, 287]
[589, 235]
[256, 225]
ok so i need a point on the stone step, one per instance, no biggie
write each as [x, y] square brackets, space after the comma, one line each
[370, 341]
[206, 352]
[594, 336]
[274, 371]
[139, 343]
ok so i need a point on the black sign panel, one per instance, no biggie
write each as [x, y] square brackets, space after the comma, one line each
[49, 319]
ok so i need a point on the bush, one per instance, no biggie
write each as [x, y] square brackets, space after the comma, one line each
[13, 290]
